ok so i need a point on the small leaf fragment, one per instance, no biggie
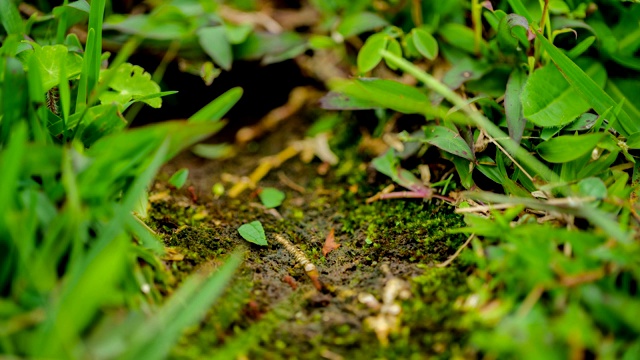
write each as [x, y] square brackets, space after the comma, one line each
[330, 243]
[179, 178]
[271, 197]
[254, 233]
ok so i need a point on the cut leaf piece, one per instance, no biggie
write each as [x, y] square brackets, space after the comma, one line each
[566, 148]
[254, 233]
[271, 197]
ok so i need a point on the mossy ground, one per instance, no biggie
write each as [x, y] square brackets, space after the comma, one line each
[273, 307]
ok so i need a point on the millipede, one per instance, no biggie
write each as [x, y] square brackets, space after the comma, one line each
[309, 267]
[51, 99]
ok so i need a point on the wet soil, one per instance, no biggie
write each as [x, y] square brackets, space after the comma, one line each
[382, 295]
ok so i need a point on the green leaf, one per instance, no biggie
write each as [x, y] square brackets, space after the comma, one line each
[512, 30]
[393, 47]
[217, 108]
[385, 93]
[593, 186]
[387, 164]
[254, 233]
[516, 122]
[131, 82]
[179, 178]
[461, 37]
[237, 34]
[447, 140]
[356, 24]
[369, 55]
[271, 197]
[49, 59]
[566, 148]
[548, 100]
[425, 43]
[214, 42]
[588, 89]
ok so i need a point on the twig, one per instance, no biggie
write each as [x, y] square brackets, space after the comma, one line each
[454, 256]
[290, 183]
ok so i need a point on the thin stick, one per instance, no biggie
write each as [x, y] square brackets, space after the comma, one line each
[454, 256]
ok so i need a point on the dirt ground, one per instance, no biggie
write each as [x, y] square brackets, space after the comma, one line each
[382, 295]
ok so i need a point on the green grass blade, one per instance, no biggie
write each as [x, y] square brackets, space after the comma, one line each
[10, 18]
[154, 338]
[587, 88]
[216, 109]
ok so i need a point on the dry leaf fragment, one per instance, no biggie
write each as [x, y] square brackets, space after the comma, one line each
[330, 243]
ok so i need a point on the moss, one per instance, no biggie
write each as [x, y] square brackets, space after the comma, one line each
[272, 301]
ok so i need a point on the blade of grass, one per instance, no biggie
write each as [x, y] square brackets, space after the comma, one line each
[154, 338]
[216, 109]
[10, 18]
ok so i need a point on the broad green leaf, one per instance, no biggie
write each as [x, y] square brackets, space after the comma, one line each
[425, 43]
[131, 82]
[216, 109]
[179, 178]
[369, 55]
[356, 24]
[548, 100]
[49, 59]
[588, 89]
[566, 148]
[271, 197]
[447, 140]
[516, 122]
[254, 233]
[214, 42]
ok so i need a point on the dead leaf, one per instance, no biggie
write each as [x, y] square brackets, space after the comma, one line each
[330, 243]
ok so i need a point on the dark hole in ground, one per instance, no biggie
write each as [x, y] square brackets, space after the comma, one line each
[265, 88]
